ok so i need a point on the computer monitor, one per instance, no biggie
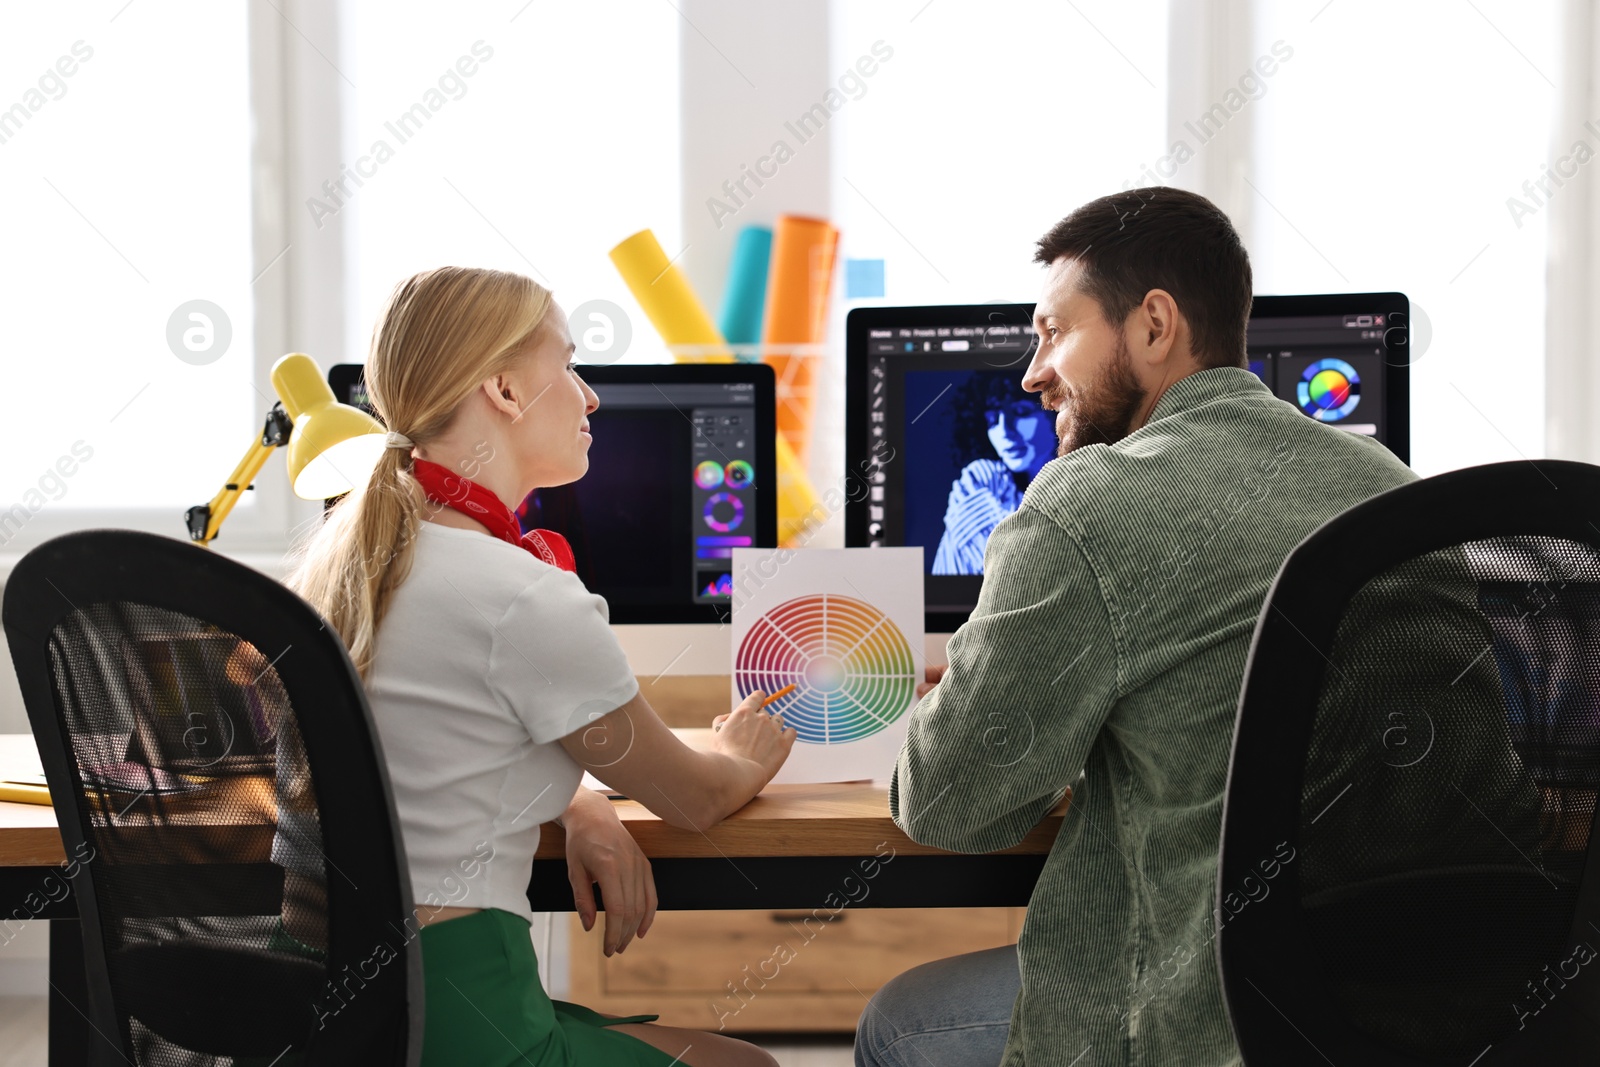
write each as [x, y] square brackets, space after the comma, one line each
[937, 392]
[682, 471]
[1341, 359]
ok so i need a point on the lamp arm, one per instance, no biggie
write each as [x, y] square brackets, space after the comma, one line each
[204, 520]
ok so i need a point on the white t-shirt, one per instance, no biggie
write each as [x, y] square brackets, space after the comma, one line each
[486, 657]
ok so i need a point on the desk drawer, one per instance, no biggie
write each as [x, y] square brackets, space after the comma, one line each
[773, 970]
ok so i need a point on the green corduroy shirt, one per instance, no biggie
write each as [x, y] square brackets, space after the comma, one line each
[1110, 638]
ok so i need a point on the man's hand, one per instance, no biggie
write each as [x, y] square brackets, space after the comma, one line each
[600, 850]
[932, 676]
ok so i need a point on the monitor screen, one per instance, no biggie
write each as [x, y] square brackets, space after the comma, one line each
[682, 470]
[940, 389]
[1340, 359]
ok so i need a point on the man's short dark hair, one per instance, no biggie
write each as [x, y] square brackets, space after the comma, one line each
[1162, 238]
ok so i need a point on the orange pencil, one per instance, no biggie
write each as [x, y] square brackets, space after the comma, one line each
[785, 691]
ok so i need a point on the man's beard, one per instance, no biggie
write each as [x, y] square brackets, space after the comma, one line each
[1103, 413]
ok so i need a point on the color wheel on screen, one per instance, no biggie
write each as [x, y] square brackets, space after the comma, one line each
[708, 475]
[851, 666]
[1329, 390]
[724, 512]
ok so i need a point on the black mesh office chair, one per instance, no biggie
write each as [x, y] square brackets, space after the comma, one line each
[1406, 871]
[211, 757]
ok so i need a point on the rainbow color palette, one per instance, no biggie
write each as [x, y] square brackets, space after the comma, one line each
[708, 475]
[852, 667]
[1329, 390]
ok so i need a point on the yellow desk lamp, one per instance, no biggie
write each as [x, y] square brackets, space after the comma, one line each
[331, 445]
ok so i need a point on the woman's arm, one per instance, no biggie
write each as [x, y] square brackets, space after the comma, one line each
[634, 752]
[601, 852]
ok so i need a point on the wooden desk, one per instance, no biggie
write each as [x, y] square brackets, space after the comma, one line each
[785, 849]
[844, 819]
[799, 847]
[789, 846]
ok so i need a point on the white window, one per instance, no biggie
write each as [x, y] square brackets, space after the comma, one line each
[1386, 150]
[561, 141]
[125, 168]
[989, 123]
[147, 200]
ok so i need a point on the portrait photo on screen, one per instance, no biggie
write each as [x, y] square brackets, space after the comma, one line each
[978, 441]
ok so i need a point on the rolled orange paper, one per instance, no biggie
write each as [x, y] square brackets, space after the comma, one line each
[798, 284]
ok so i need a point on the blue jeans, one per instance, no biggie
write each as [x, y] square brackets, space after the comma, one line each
[953, 1012]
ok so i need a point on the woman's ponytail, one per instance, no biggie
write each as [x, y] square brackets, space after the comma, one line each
[444, 332]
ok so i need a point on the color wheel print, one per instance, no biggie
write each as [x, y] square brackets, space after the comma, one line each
[1329, 390]
[852, 667]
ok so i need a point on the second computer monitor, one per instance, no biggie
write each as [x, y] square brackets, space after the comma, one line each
[937, 418]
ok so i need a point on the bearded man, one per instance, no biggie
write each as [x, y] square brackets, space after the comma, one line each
[1109, 641]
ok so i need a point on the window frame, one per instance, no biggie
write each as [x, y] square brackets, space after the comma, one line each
[280, 115]
[299, 101]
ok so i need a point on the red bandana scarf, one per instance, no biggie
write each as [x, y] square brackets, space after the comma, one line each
[476, 502]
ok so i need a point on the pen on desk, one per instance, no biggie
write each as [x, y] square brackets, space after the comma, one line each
[785, 691]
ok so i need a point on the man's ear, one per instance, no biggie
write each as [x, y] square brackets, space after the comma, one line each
[1157, 325]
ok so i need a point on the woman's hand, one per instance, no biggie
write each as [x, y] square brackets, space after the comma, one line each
[755, 738]
[600, 850]
[932, 676]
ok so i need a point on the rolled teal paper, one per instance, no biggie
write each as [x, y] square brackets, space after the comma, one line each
[744, 300]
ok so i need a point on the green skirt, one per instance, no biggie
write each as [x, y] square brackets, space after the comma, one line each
[486, 1008]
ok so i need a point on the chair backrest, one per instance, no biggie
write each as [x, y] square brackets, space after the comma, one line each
[213, 762]
[1407, 875]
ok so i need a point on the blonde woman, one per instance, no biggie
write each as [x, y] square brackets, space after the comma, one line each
[495, 680]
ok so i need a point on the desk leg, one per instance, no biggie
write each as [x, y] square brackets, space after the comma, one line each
[69, 996]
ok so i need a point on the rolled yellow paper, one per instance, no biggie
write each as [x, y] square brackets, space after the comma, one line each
[798, 509]
[678, 316]
[668, 300]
